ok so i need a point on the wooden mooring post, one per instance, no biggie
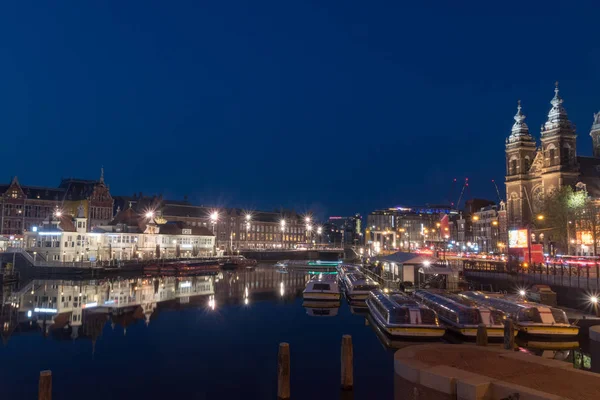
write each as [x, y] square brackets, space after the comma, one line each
[45, 387]
[482, 337]
[283, 372]
[347, 363]
[509, 334]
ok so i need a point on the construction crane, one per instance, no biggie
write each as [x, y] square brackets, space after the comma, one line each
[465, 186]
[497, 191]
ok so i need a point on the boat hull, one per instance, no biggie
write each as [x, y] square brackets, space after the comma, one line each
[541, 330]
[321, 296]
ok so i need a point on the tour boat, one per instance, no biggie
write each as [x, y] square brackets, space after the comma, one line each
[322, 287]
[238, 262]
[282, 264]
[530, 318]
[358, 286]
[342, 270]
[462, 315]
[398, 315]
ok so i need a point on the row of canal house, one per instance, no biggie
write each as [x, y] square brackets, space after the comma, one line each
[129, 235]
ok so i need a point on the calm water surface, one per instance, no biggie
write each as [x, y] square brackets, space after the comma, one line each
[195, 337]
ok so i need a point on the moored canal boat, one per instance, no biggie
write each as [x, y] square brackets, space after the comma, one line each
[322, 287]
[400, 316]
[529, 318]
[462, 315]
[358, 286]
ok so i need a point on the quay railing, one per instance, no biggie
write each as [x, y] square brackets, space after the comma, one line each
[548, 274]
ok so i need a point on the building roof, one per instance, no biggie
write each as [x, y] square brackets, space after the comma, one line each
[176, 228]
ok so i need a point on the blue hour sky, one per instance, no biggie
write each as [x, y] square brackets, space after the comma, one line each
[334, 106]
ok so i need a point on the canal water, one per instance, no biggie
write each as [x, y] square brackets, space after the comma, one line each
[188, 337]
[200, 337]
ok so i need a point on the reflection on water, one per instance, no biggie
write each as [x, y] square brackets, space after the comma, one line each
[55, 306]
[197, 331]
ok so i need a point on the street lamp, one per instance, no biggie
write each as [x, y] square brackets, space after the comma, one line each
[150, 214]
[214, 217]
[308, 231]
[248, 219]
[282, 223]
[540, 217]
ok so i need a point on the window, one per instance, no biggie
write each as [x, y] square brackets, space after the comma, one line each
[552, 155]
[513, 167]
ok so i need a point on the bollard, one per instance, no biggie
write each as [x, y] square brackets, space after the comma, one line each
[45, 387]
[482, 339]
[347, 361]
[283, 372]
[509, 334]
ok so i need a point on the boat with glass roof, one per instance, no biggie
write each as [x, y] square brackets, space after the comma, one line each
[529, 317]
[398, 315]
[462, 315]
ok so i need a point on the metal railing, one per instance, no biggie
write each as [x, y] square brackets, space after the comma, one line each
[556, 279]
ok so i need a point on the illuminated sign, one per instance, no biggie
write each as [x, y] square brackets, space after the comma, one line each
[90, 305]
[185, 284]
[517, 239]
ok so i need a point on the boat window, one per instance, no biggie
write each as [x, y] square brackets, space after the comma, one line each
[364, 287]
[399, 316]
[469, 316]
[559, 316]
[496, 317]
[530, 315]
[321, 286]
[428, 317]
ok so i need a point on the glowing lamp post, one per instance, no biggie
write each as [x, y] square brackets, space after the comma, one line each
[282, 231]
[214, 217]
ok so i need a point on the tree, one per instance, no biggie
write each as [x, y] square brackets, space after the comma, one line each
[561, 209]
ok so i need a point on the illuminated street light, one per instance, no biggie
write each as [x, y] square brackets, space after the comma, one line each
[248, 217]
[214, 217]
[594, 299]
[319, 230]
[522, 293]
[307, 219]
[426, 263]
[58, 214]
[475, 218]
[495, 223]
[540, 217]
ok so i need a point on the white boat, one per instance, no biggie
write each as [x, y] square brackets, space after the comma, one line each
[462, 315]
[322, 287]
[358, 286]
[282, 264]
[530, 318]
[398, 315]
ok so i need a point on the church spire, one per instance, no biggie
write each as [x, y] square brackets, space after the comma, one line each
[102, 174]
[558, 115]
[520, 131]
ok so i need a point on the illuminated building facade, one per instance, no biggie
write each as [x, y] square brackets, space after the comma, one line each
[408, 228]
[25, 207]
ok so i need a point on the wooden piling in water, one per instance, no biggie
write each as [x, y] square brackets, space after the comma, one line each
[482, 338]
[347, 363]
[45, 387]
[509, 334]
[283, 372]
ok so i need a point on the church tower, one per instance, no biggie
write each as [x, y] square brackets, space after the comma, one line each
[559, 149]
[520, 153]
[595, 134]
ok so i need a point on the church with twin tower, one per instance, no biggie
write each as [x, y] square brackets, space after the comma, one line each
[534, 171]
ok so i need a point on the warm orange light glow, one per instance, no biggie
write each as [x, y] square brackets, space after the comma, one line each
[495, 223]
[475, 218]
[540, 217]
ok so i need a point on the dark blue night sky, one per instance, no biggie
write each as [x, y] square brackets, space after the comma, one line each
[339, 107]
